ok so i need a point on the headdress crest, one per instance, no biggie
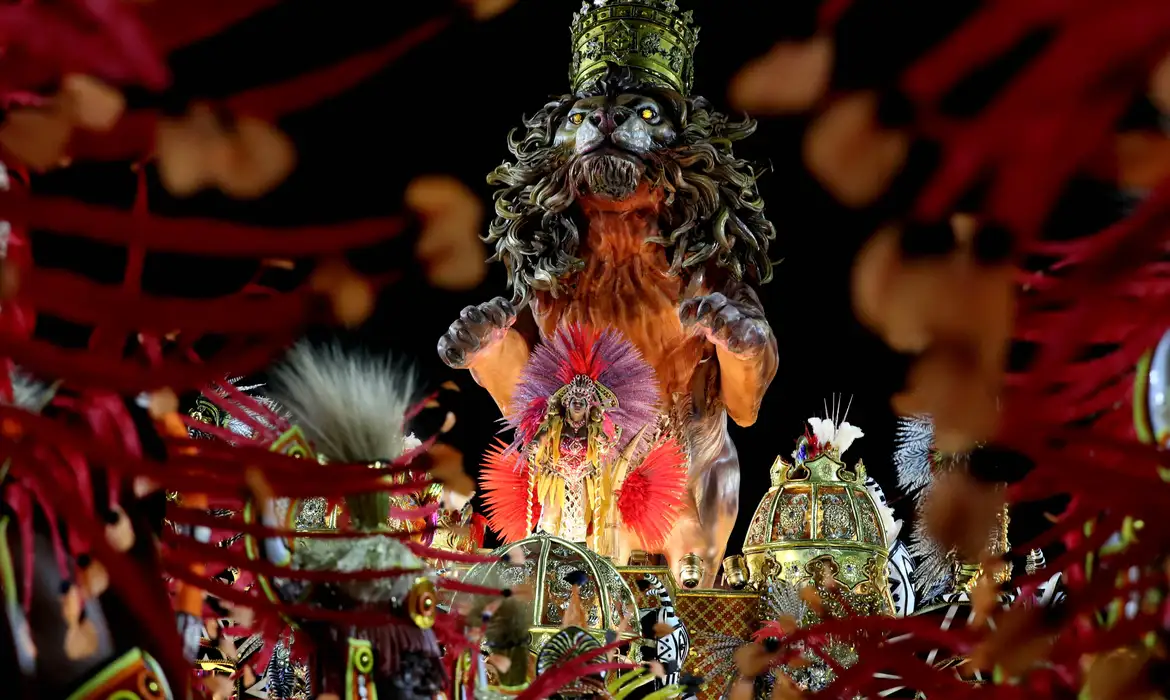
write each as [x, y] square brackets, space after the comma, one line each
[650, 37]
[579, 357]
[353, 407]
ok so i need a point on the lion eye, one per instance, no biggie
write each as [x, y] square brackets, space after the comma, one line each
[648, 113]
[577, 118]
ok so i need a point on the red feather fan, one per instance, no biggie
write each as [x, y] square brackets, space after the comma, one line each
[507, 493]
[652, 496]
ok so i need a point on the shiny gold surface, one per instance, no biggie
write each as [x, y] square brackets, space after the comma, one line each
[818, 525]
[606, 597]
[691, 570]
[650, 37]
[421, 603]
[735, 573]
[639, 558]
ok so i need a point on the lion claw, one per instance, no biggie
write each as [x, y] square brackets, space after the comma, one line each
[477, 329]
[725, 325]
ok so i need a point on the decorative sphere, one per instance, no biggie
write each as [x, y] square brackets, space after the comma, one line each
[547, 561]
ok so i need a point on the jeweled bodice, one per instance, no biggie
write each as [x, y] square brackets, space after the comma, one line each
[571, 464]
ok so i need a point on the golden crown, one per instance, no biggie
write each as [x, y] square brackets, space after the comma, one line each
[650, 37]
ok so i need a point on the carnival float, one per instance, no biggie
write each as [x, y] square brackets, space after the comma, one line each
[175, 527]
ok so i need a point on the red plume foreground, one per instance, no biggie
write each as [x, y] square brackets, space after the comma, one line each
[97, 49]
[971, 137]
[377, 586]
[83, 468]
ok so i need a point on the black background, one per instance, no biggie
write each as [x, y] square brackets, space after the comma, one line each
[447, 108]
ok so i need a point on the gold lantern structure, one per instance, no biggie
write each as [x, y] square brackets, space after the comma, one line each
[822, 529]
[818, 525]
[547, 561]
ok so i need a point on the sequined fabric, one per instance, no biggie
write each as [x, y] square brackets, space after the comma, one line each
[572, 468]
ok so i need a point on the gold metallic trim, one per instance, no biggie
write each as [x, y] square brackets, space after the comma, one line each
[422, 602]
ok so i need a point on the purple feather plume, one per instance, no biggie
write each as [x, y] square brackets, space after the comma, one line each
[622, 370]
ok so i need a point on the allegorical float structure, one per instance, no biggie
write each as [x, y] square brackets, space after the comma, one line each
[823, 529]
[650, 336]
[624, 208]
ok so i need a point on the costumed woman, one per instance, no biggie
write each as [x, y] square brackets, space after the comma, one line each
[588, 463]
[353, 409]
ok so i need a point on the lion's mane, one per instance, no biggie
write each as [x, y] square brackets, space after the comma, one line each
[713, 210]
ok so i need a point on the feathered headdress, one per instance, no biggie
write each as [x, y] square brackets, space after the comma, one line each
[605, 358]
[353, 407]
[832, 433]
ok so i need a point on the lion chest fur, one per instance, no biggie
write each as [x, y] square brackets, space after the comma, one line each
[626, 284]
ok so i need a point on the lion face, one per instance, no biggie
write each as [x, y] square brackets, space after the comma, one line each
[606, 142]
[612, 138]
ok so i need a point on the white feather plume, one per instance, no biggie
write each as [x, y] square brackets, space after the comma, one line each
[350, 404]
[913, 453]
[846, 434]
[823, 429]
[829, 433]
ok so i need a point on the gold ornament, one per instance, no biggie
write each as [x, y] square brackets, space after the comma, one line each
[735, 572]
[650, 37]
[421, 603]
[639, 557]
[546, 561]
[819, 526]
[691, 570]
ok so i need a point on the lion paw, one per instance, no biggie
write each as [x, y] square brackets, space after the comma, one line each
[725, 325]
[477, 329]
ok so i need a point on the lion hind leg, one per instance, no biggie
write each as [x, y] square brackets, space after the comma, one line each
[715, 492]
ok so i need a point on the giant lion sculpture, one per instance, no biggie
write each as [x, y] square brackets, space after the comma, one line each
[625, 207]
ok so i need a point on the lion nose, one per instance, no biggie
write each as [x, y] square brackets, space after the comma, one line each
[607, 120]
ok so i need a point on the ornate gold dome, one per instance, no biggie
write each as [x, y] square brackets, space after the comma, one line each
[817, 521]
[607, 599]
